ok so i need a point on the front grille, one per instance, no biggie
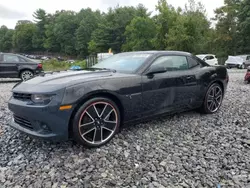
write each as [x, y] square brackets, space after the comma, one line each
[23, 122]
[22, 96]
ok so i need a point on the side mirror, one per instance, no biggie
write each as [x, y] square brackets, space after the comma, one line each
[156, 69]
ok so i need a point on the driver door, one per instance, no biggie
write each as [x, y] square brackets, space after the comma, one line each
[170, 90]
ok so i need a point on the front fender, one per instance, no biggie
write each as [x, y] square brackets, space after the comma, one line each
[74, 94]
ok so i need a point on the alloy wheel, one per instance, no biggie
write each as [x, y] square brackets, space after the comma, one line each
[98, 123]
[214, 99]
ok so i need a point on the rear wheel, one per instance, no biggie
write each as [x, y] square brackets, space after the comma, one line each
[96, 122]
[213, 99]
[26, 74]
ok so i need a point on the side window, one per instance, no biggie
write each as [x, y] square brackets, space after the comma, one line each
[1, 57]
[209, 57]
[192, 62]
[172, 63]
[10, 59]
[22, 60]
[248, 58]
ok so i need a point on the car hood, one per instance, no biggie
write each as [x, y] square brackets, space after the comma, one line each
[56, 81]
[234, 60]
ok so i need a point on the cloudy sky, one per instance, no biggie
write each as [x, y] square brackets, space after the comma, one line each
[13, 10]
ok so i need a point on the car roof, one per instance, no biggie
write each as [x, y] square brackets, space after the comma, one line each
[204, 54]
[160, 52]
[9, 53]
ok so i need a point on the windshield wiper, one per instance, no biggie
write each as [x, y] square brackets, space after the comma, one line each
[113, 70]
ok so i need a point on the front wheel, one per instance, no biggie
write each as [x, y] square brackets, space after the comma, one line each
[244, 66]
[96, 122]
[213, 99]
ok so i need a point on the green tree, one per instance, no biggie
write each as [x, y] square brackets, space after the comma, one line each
[92, 48]
[244, 26]
[6, 39]
[140, 34]
[39, 37]
[23, 34]
[226, 28]
[64, 29]
[184, 30]
[50, 43]
[88, 24]
[164, 20]
[101, 38]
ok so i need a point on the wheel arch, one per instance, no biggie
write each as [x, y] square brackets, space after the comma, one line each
[24, 69]
[91, 95]
[218, 82]
[211, 83]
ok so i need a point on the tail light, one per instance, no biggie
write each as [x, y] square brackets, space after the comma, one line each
[39, 66]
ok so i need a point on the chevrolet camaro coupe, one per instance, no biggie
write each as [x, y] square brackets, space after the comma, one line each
[90, 105]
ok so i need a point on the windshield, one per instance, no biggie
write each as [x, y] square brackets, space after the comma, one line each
[123, 62]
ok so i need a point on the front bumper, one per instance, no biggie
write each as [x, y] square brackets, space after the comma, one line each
[45, 122]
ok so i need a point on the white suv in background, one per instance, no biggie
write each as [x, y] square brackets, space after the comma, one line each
[239, 61]
[208, 58]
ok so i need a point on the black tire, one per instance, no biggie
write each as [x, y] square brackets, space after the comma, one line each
[98, 123]
[26, 74]
[206, 103]
[244, 66]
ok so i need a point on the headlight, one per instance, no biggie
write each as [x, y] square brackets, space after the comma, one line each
[41, 98]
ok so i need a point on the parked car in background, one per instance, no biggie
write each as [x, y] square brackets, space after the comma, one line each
[239, 61]
[247, 62]
[59, 58]
[17, 66]
[71, 61]
[44, 58]
[90, 105]
[208, 58]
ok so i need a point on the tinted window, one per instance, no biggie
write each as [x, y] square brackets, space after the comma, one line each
[22, 59]
[209, 57]
[123, 62]
[192, 62]
[172, 63]
[10, 58]
[248, 58]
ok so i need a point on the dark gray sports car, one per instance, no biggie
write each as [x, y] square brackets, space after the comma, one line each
[90, 105]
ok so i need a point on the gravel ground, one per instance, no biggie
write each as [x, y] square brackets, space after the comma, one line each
[185, 150]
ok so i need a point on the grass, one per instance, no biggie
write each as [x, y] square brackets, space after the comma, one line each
[54, 65]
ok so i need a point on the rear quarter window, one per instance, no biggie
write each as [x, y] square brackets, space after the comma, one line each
[192, 62]
[22, 60]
